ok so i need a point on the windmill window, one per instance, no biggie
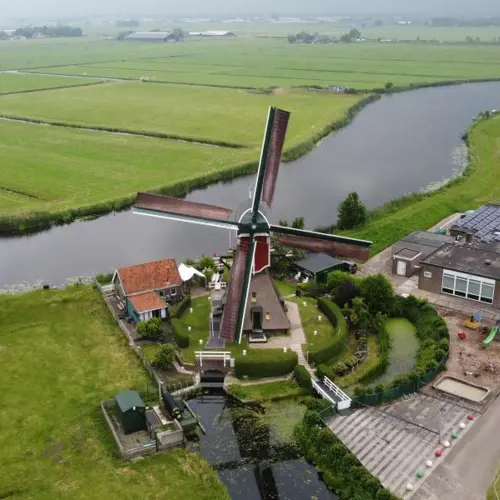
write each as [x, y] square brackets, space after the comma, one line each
[254, 297]
[268, 316]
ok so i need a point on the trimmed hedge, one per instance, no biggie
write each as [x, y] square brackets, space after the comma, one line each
[179, 309]
[339, 341]
[260, 363]
[343, 473]
[181, 337]
[303, 377]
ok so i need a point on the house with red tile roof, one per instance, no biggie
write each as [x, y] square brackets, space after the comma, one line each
[148, 289]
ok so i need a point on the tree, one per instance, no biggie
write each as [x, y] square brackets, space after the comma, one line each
[469, 39]
[360, 315]
[178, 34]
[150, 329]
[354, 34]
[351, 212]
[298, 223]
[165, 356]
[377, 294]
[389, 86]
[292, 38]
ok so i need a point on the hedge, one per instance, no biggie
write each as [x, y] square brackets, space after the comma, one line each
[260, 363]
[181, 337]
[179, 309]
[343, 473]
[302, 376]
[338, 343]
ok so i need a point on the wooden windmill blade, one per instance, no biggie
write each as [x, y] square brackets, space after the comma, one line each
[237, 294]
[312, 241]
[270, 158]
[166, 207]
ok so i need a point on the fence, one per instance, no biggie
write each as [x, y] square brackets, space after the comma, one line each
[400, 390]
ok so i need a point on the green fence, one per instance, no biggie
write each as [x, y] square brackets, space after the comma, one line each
[399, 390]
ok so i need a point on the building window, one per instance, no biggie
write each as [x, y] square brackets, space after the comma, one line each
[468, 286]
[173, 292]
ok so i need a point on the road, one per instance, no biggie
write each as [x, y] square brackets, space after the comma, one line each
[470, 466]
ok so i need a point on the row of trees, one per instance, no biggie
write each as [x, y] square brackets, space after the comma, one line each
[49, 31]
[306, 37]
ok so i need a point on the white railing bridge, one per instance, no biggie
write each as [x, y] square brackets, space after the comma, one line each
[332, 393]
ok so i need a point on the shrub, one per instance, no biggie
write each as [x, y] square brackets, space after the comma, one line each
[180, 335]
[150, 329]
[302, 376]
[165, 356]
[340, 369]
[178, 310]
[312, 289]
[260, 363]
[104, 279]
[338, 342]
[377, 294]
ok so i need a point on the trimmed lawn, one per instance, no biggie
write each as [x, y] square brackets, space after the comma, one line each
[309, 314]
[268, 391]
[11, 82]
[199, 113]
[285, 288]
[63, 354]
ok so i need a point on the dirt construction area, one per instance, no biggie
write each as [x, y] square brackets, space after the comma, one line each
[469, 360]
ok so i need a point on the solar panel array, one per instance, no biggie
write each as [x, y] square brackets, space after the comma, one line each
[484, 223]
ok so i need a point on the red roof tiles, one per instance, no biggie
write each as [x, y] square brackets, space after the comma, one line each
[149, 276]
[148, 301]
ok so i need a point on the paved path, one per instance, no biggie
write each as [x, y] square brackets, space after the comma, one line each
[470, 466]
[394, 442]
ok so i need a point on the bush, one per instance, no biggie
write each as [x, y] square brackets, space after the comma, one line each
[338, 343]
[303, 377]
[150, 329]
[181, 337]
[165, 356]
[377, 294]
[312, 289]
[178, 310]
[259, 363]
[351, 212]
[104, 279]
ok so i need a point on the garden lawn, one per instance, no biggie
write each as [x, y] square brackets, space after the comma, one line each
[268, 391]
[197, 113]
[480, 184]
[62, 354]
[285, 288]
[309, 314]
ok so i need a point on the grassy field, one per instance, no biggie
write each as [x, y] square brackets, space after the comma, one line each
[62, 354]
[74, 168]
[479, 185]
[192, 112]
[20, 83]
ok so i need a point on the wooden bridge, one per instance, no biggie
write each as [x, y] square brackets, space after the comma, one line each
[329, 391]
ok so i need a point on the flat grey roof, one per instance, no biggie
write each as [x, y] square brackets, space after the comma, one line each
[484, 223]
[407, 253]
[468, 259]
[421, 242]
[317, 262]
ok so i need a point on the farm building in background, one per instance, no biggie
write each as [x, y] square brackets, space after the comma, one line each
[212, 34]
[152, 36]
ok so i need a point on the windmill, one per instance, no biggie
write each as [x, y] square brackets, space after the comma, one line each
[253, 249]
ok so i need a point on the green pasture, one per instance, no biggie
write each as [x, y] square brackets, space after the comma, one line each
[74, 168]
[18, 83]
[199, 113]
[480, 184]
[62, 354]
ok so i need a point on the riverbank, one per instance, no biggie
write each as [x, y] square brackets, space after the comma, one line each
[479, 184]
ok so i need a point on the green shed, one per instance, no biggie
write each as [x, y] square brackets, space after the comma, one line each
[131, 411]
[317, 266]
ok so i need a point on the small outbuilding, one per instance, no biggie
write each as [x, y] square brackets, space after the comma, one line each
[317, 266]
[412, 249]
[131, 411]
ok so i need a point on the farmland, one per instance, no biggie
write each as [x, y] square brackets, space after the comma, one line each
[203, 91]
[64, 354]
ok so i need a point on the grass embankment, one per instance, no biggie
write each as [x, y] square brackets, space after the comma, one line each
[62, 353]
[267, 392]
[494, 490]
[479, 184]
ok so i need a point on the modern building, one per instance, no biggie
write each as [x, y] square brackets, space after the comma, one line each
[316, 266]
[411, 250]
[481, 225]
[470, 271]
[148, 289]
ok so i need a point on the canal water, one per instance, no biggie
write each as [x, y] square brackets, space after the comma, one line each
[400, 144]
[254, 453]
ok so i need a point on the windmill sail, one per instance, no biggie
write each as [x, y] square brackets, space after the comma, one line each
[188, 211]
[312, 241]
